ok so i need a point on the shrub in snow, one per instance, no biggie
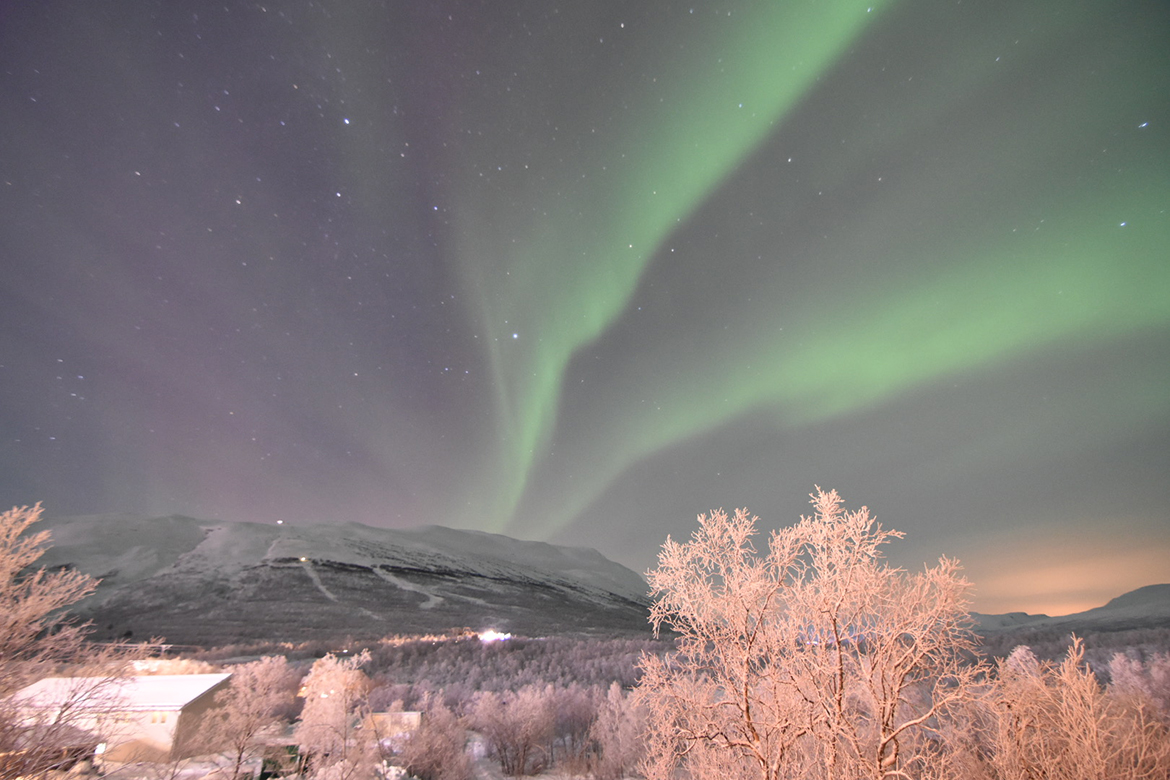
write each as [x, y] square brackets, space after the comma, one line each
[517, 725]
[437, 748]
[617, 736]
[1056, 722]
[1149, 680]
[330, 730]
[259, 693]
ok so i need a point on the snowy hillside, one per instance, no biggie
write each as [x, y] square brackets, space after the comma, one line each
[199, 582]
[1147, 607]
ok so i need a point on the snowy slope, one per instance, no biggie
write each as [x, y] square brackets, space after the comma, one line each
[199, 582]
[1147, 607]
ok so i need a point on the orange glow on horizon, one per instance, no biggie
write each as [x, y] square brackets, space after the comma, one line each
[1061, 574]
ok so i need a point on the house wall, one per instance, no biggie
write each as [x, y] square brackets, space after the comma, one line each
[162, 735]
[142, 736]
[395, 724]
[129, 734]
[190, 720]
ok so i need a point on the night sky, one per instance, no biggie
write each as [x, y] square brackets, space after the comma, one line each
[579, 271]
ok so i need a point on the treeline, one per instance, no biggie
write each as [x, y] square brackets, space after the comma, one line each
[408, 670]
[533, 704]
[1022, 719]
[456, 670]
[346, 726]
[1052, 644]
[530, 704]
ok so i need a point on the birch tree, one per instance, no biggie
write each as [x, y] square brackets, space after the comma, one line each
[812, 659]
[516, 725]
[329, 730]
[617, 735]
[437, 748]
[248, 708]
[35, 638]
[1056, 722]
[35, 633]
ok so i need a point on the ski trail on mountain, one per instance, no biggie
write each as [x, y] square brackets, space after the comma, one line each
[308, 567]
[432, 601]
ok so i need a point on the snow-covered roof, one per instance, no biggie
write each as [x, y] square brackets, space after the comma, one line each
[151, 692]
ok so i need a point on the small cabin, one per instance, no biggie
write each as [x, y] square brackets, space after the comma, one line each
[148, 718]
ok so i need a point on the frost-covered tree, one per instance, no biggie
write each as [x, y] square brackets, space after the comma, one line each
[437, 748]
[330, 730]
[1056, 722]
[574, 709]
[1149, 679]
[252, 705]
[38, 639]
[516, 726]
[617, 735]
[813, 659]
[35, 633]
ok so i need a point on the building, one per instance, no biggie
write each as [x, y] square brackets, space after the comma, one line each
[393, 728]
[148, 718]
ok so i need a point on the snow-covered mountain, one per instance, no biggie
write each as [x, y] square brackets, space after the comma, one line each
[211, 582]
[1147, 607]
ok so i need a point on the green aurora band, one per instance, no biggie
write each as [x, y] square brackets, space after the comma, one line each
[572, 275]
[1083, 274]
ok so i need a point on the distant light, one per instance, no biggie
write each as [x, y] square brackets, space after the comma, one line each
[515, 335]
[491, 635]
[303, 559]
[280, 522]
[345, 120]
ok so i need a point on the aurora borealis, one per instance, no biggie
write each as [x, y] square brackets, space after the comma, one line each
[580, 272]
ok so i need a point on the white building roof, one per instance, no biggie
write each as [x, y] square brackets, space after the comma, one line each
[150, 692]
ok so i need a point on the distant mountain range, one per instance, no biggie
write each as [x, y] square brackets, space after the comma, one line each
[202, 582]
[1147, 607]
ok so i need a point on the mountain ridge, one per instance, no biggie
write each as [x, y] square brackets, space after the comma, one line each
[205, 582]
[1144, 607]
